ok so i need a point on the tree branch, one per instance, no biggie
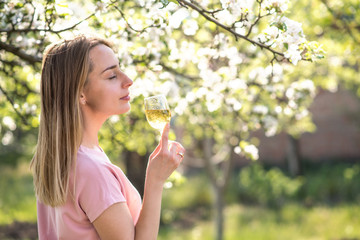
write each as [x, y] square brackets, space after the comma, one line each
[21, 54]
[23, 119]
[257, 20]
[220, 155]
[17, 81]
[129, 25]
[183, 75]
[26, 30]
[228, 29]
[344, 23]
[73, 26]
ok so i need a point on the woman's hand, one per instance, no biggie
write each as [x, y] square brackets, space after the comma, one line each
[166, 157]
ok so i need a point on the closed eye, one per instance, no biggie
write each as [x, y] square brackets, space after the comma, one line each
[112, 77]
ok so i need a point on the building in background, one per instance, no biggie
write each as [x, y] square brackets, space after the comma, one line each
[337, 135]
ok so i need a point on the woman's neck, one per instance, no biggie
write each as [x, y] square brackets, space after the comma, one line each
[92, 125]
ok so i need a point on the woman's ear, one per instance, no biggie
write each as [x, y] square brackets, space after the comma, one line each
[82, 99]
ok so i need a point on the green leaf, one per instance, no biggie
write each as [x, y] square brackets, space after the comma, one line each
[286, 45]
[166, 2]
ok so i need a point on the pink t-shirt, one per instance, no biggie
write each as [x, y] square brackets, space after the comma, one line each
[99, 184]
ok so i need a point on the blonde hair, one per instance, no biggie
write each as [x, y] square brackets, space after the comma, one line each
[65, 69]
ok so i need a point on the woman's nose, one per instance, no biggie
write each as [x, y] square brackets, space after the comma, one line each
[128, 82]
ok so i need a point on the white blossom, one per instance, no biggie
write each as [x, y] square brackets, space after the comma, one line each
[237, 150]
[190, 97]
[9, 122]
[177, 17]
[114, 118]
[190, 27]
[302, 114]
[140, 51]
[292, 104]
[201, 92]
[278, 109]
[225, 17]
[285, 34]
[270, 36]
[281, 5]
[293, 53]
[290, 93]
[288, 111]
[237, 84]
[181, 106]
[7, 138]
[252, 150]
[236, 105]
[237, 7]
[260, 75]
[261, 109]
[270, 125]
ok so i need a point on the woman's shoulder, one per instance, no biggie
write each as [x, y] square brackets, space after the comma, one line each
[91, 160]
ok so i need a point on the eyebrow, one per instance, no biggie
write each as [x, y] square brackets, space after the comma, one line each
[109, 68]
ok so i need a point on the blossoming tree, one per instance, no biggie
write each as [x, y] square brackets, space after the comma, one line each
[224, 65]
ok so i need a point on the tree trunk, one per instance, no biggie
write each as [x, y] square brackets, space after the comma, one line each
[219, 208]
[218, 184]
[136, 169]
[293, 156]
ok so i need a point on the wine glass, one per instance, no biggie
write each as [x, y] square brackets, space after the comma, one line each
[157, 111]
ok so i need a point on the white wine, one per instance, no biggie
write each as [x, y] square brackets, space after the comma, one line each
[158, 118]
[157, 111]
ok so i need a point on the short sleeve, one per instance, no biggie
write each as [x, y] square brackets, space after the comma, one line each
[98, 188]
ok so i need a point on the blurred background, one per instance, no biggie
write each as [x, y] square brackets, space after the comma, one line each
[273, 143]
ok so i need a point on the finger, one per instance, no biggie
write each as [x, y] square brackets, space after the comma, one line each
[180, 151]
[173, 150]
[176, 151]
[170, 142]
[155, 152]
[164, 141]
[179, 147]
[180, 155]
[172, 147]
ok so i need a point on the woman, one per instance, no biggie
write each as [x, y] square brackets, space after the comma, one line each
[80, 194]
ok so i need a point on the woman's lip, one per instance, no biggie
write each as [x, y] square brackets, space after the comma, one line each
[127, 98]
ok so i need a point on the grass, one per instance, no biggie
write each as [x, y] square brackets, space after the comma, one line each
[297, 219]
[17, 199]
[187, 215]
[293, 221]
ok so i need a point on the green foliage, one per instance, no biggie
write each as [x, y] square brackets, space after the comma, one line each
[293, 221]
[267, 187]
[327, 183]
[331, 183]
[335, 25]
[194, 193]
[20, 149]
[17, 197]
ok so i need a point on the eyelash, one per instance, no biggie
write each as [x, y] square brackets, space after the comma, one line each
[112, 77]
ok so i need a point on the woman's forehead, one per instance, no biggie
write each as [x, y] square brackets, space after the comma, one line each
[102, 57]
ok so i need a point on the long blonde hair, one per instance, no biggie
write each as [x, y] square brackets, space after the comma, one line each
[65, 69]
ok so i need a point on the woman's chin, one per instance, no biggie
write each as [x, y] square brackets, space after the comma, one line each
[124, 110]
